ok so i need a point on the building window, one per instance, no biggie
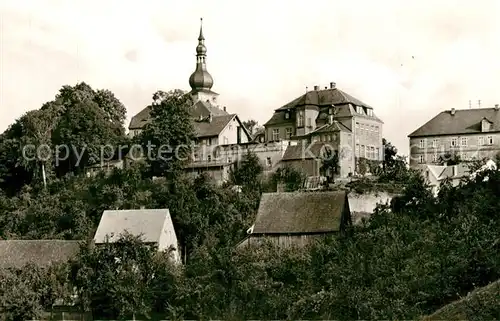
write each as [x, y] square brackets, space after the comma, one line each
[463, 141]
[490, 140]
[453, 142]
[230, 127]
[373, 152]
[359, 110]
[435, 143]
[481, 141]
[229, 160]
[357, 150]
[422, 143]
[421, 159]
[276, 134]
[362, 151]
[269, 163]
[288, 133]
[370, 112]
[209, 158]
[434, 158]
[287, 115]
[330, 111]
[377, 156]
[300, 119]
[226, 141]
[195, 156]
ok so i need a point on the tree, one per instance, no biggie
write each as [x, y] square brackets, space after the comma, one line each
[168, 138]
[90, 125]
[114, 280]
[449, 159]
[251, 125]
[390, 152]
[292, 178]
[37, 128]
[248, 171]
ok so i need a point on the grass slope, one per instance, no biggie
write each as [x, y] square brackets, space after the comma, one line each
[481, 304]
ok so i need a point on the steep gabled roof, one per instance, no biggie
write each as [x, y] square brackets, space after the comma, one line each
[205, 128]
[148, 223]
[42, 253]
[463, 121]
[300, 212]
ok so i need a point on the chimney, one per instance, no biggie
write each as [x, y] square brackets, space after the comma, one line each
[210, 117]
[330, 119]
[316, 88]
[452, 112]
[497, 107]
[332, 85]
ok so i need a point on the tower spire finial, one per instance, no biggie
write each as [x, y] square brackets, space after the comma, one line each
[201, 79]
[201, 30]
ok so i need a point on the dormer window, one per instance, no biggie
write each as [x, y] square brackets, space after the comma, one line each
[370, 112]
[359, 110]
[485, 125]
[287, 115]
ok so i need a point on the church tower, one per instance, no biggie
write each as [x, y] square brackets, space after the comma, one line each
[201, 81]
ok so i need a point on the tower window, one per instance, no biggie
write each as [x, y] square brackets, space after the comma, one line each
[300, 119]
[287, 115]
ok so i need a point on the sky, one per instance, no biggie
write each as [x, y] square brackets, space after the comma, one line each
[408, 59]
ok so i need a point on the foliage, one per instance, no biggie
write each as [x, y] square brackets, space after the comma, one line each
[390, 153]
[251, 125]
[291, 178]
[74, 128]
[449, 159]
[168, 138]
[482, 304]
[247, 172]
[114, 280]
[25, 293]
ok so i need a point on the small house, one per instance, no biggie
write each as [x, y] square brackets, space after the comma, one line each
[298, 218]
[154, 226]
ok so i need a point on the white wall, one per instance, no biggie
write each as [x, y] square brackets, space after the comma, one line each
[169, 238]
[229, 135]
